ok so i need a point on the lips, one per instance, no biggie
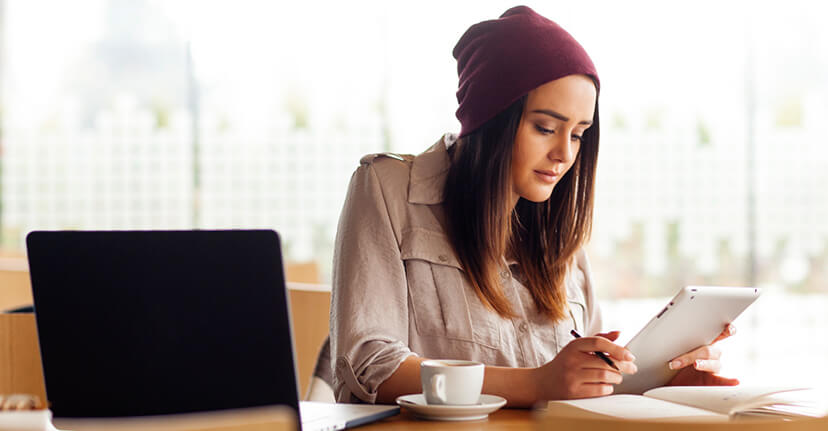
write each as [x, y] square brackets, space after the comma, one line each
[550, 177]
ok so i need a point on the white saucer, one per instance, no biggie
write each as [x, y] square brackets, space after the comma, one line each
[417, 404]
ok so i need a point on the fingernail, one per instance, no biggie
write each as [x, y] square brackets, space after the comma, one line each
[629, 356]
[675, 365]
[731, 329]
[699, 363]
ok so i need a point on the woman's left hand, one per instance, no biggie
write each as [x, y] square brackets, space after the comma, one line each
[699, 367]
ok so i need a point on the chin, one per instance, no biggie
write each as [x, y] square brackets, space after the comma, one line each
[538, 196]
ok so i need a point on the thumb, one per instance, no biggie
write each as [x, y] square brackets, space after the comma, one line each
[612, 335]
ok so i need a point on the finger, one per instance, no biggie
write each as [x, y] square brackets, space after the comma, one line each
[728, 331]
[709, 379]
[708, 365]
[599, 375]
[692, 377]
[591, 360]
[601, 344]
[612, 335]
[591, 390]
[626, 367]
[703, 352]
[22, 404]
[722, 381]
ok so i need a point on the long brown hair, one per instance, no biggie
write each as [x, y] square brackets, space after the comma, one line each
[543, 237]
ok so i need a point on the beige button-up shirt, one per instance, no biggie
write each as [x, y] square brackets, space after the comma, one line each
[399, 290]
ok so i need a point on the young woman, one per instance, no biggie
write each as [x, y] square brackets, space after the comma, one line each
[473, 249]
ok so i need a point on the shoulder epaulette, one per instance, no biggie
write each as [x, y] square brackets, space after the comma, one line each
[369, 158]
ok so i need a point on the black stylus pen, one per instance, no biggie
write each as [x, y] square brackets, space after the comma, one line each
[601, 355]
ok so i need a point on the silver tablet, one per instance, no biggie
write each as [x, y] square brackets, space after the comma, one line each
[693, 318]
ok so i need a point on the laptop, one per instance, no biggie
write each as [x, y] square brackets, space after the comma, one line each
[139, 323]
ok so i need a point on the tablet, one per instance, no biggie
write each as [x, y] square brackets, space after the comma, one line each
[693, 318]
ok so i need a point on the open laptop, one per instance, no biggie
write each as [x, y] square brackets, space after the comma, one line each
[137, 323]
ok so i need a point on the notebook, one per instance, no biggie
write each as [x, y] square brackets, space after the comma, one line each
[700, 403]
[139, 323]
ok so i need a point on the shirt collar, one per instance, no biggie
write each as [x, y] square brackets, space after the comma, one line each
[428, 173]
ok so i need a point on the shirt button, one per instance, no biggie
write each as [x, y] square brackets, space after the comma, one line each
[443, 258]
[524, 327]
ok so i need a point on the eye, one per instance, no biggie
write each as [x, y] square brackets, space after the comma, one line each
[578, 138]
[543, 130]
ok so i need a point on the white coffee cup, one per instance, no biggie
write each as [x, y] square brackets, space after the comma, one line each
[449, 381]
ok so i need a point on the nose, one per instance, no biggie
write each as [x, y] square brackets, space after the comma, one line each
[563, 150]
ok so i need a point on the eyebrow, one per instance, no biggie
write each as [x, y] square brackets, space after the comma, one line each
[561, 117]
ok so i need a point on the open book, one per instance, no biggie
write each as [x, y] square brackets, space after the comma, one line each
[699, 403]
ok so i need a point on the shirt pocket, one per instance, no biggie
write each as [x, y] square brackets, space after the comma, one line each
[439, 293]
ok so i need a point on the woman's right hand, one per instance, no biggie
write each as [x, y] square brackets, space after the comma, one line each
[576, 372]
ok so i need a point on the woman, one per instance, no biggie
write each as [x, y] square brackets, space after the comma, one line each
[473, 249]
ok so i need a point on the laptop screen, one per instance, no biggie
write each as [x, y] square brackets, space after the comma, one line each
[136, 323]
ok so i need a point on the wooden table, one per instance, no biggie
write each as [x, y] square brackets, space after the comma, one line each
[503, 419]
[517, 419]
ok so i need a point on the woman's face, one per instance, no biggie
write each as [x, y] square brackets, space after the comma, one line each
[548, 139]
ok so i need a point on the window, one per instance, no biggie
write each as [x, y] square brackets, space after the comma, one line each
[713, 166]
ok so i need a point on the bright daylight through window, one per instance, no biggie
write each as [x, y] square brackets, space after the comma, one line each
[142, 114]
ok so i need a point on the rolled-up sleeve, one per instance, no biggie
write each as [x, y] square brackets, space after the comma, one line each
[369, 302]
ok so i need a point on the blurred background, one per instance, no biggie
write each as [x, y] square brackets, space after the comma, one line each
[177, 114]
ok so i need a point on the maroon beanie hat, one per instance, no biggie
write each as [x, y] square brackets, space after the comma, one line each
[500, 60]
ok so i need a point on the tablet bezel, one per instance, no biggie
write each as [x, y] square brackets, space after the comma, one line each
[693, 318]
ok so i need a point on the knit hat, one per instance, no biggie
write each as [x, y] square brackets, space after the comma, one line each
[500, 60]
